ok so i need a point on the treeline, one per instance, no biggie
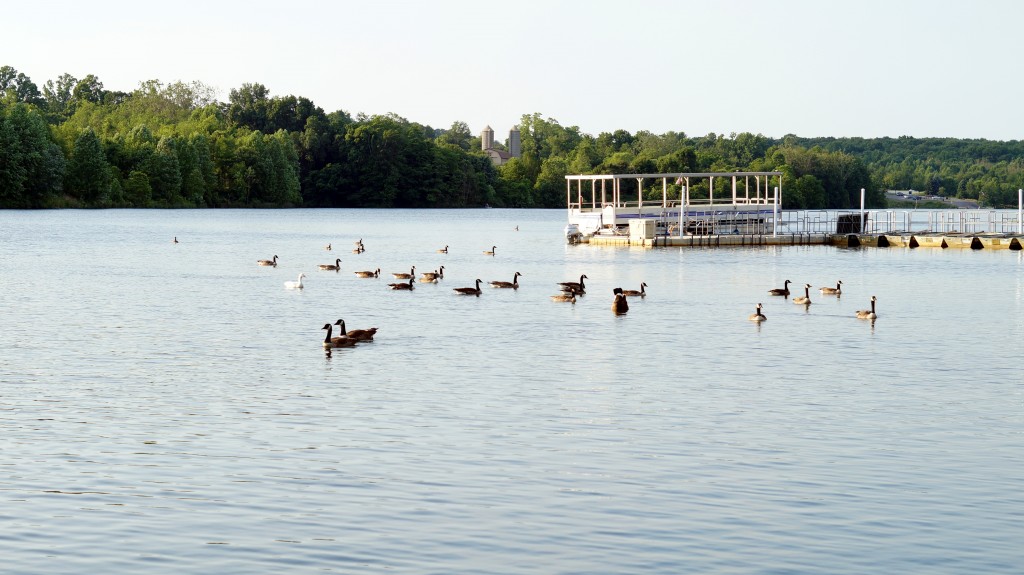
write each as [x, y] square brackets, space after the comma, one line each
[76, 144]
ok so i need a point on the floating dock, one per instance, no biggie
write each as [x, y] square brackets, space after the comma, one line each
[1013, 242]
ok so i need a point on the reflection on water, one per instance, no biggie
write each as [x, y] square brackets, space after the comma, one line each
[170, 408]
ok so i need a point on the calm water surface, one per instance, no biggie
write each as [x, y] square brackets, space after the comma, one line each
[168, 408]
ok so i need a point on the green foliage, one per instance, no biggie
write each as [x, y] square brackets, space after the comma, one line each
[88, 176]
[175, 145]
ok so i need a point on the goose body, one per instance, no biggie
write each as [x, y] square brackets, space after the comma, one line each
[405, 276]
[332, 267]
[632, 292]
[514, 284]
[470, 290]
[401, 286]
[575, 287]
[272, 262]
[336, 341]
[297, 284]
[433, 276]
[757, 315]
[356, 334]
[619, 305]
[806, 298]
[868, 313]
[832, 290]
[491, 251]
[443, 250]
[569, 297]
[368, 274]
[780, 291]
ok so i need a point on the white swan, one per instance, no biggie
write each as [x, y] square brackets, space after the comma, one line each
[297, 284]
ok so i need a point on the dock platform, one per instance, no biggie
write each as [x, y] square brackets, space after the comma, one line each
[1013, 242]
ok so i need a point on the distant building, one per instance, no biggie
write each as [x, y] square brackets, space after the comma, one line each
[499, 157]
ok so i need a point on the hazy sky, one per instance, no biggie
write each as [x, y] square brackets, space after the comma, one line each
[813, 68]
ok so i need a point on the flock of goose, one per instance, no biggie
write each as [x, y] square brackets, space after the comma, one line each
[570, 291]
[805, 300]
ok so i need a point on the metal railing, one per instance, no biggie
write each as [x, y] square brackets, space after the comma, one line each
[968, 221]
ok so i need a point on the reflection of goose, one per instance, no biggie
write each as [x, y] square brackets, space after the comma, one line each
[514, 284]
[368, 274]
[336, 341]
[443, 250]
[491, 251]
[832, 290]
[357, 334]
[332, 267]
[468, 290]
[575, 287]
[297, 284]
[569, 297]
[868, 313]
[405, 276]
[632, 292]
[620, 305]
[272, 262]
[806, 298]
[780, 291]
[757, 315]
[404, 286]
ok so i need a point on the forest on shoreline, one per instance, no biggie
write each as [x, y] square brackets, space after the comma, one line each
[75, 144]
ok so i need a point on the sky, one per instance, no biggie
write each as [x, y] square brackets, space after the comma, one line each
[814, 68]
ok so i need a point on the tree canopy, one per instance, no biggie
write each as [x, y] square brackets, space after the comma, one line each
[77, 144]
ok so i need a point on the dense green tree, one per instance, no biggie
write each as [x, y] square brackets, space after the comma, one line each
[88, 175]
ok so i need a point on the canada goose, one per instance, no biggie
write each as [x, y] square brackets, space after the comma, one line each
[405, 286]
[332, 267]
[632, 292]
[443, 250]
[297, 284]
[357, 334]
[337, 341]
[780, 291]
[620, 305]
[575, 287]
[433, 276]
[469, 290]
[327, 247]
[368, 274]
[272, 262]
[360, 248]
[832, 290]
[806, 298]
[757, 315]
[514, 284]
[491, 251]
[868, 313]
[569, 297]
[405, 276]
[175, 239]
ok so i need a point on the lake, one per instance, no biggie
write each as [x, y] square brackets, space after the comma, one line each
[168, 408]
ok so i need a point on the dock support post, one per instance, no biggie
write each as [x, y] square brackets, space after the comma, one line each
[775, 213]
[1020, 210]
[862, 230]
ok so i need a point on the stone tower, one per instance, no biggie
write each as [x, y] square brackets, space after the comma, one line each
[514, 145]
[487, 139]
